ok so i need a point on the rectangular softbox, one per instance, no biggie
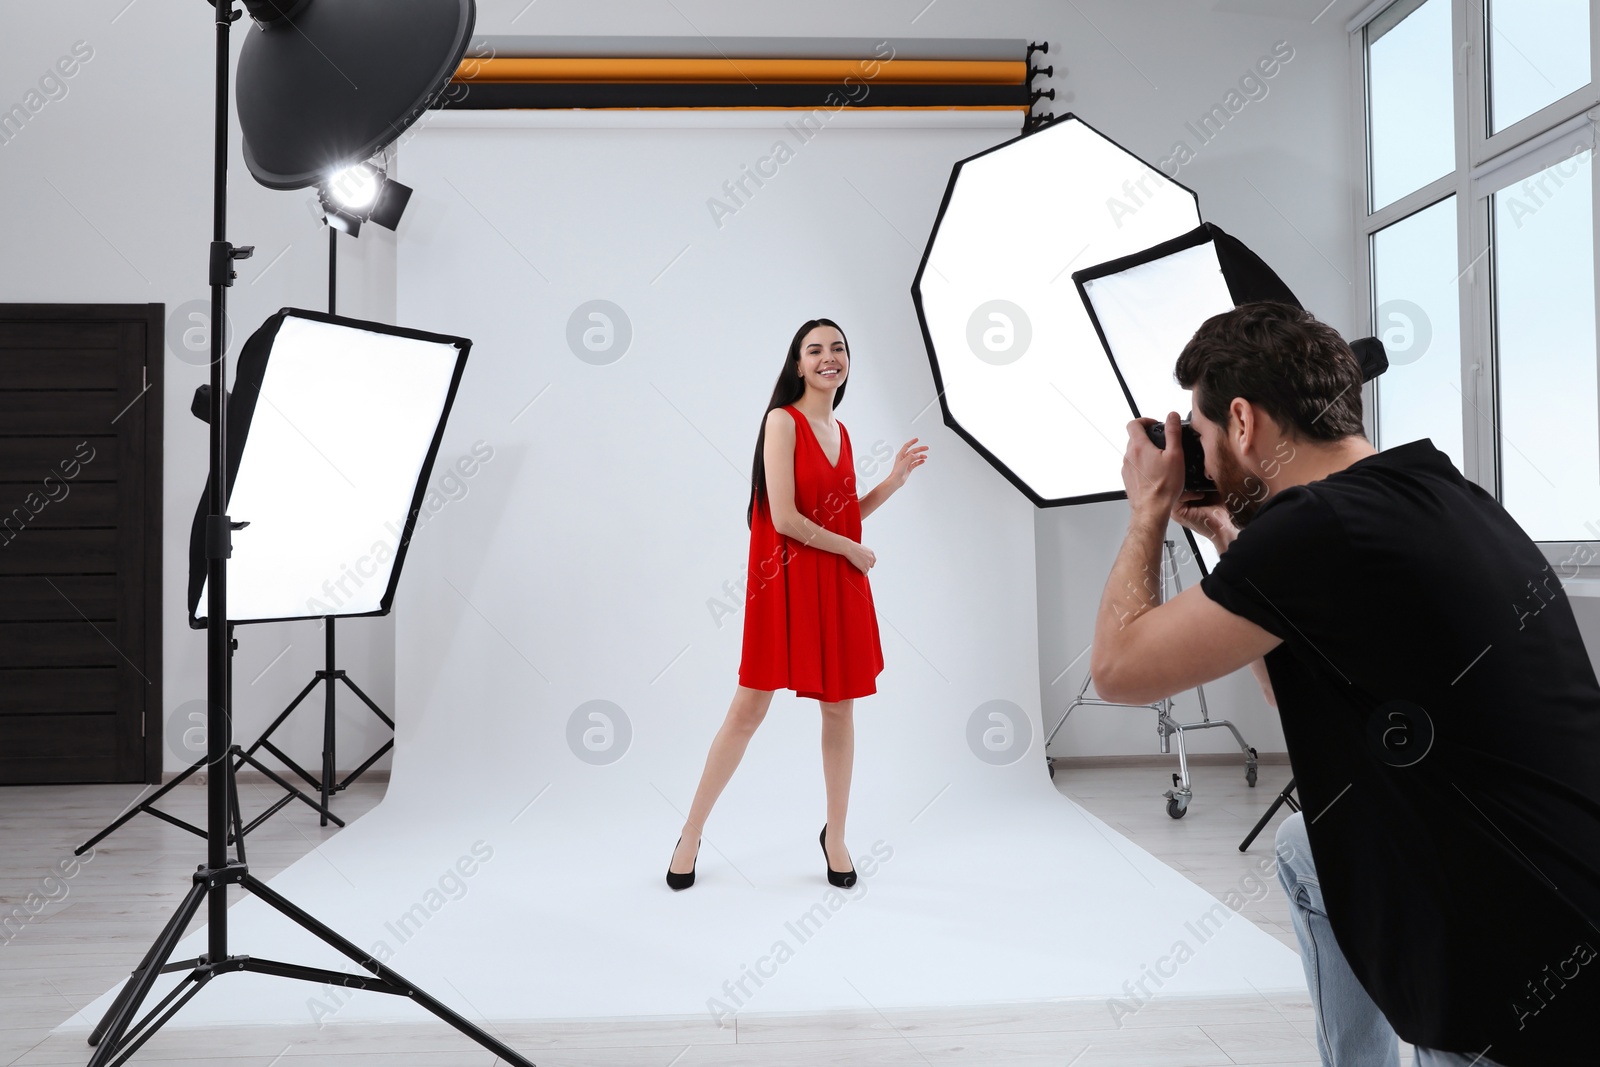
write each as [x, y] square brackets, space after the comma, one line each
[333, 425]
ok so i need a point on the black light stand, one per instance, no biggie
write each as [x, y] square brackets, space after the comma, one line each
[1284, 797]
[326, 677]
[118, 1036]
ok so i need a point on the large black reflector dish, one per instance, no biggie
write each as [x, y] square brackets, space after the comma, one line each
[1018, 367]
[333, 81]
[333, 426]
[1146, 306]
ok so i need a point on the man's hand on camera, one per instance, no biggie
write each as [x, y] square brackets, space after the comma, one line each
[1153, 477]
[1205, 514]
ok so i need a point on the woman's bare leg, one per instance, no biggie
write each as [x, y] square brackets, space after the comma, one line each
[749, 707]
[838, 754]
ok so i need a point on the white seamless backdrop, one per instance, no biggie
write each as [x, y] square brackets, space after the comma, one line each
[586, 574]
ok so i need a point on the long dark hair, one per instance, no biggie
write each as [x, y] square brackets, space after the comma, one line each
[790, 387]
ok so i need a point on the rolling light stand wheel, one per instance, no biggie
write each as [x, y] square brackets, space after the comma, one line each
[1177, 798]
[1250, 770]
[1050, 761]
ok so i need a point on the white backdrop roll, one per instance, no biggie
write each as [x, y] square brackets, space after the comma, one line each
[597, 555]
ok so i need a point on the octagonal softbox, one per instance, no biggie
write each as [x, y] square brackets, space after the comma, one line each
[1019, 368]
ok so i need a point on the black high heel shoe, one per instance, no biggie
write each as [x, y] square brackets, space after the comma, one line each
[682, 881]
[842, 879]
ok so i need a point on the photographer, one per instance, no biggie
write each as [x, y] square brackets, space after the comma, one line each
[1441, 713]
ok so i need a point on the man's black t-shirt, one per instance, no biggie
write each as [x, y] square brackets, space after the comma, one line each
[1443, 726]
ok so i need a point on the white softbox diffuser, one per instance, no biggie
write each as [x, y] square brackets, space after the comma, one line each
[1020, 372]
[1145, 307]
[1147, 313]
[333, 427]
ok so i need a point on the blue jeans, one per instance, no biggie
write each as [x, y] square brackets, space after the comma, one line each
[1351, 1031]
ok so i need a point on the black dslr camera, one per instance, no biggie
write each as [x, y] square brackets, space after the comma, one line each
[1194, 455]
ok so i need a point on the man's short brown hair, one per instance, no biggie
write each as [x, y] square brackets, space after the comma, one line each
[1280, 358]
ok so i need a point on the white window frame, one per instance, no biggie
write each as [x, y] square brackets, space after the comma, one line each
[1484, 164]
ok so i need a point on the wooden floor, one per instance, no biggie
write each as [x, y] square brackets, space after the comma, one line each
[104, 917]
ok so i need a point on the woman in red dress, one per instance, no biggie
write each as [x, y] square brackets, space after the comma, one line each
[809, 622]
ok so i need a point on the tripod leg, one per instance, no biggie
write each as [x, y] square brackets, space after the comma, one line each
[148, 1028]
[1064, 716]
[273, 775]
[143, 977]
[233, 805]
[327, 934]
[359, 771]
[368, 701]
[289, 762]
[282, 715]
[327, 724]
[387, 745]
[1237, 736]
[1183, 760]
[143, 805]
[277, 806]
[1283, 798]
[1082, 689]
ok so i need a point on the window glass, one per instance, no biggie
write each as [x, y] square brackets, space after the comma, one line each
[1411, 99]
[1543, 250]
[1538, 52]
[1416, 314]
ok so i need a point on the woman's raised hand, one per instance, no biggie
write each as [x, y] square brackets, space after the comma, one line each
[907, 460]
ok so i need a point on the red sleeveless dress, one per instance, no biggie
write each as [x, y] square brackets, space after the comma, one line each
[809, 621]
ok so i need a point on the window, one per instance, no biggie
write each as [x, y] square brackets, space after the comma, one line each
[1545, 344]
[1415, 292]
[1538, 52]
[1411, 97]
[1478, 246]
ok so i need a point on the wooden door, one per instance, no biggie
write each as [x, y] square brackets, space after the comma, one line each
[80, 542]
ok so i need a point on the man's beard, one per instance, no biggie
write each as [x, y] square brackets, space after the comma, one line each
[1242, 494]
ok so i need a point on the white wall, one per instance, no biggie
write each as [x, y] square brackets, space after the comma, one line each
[128, 148]
[128, 153]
